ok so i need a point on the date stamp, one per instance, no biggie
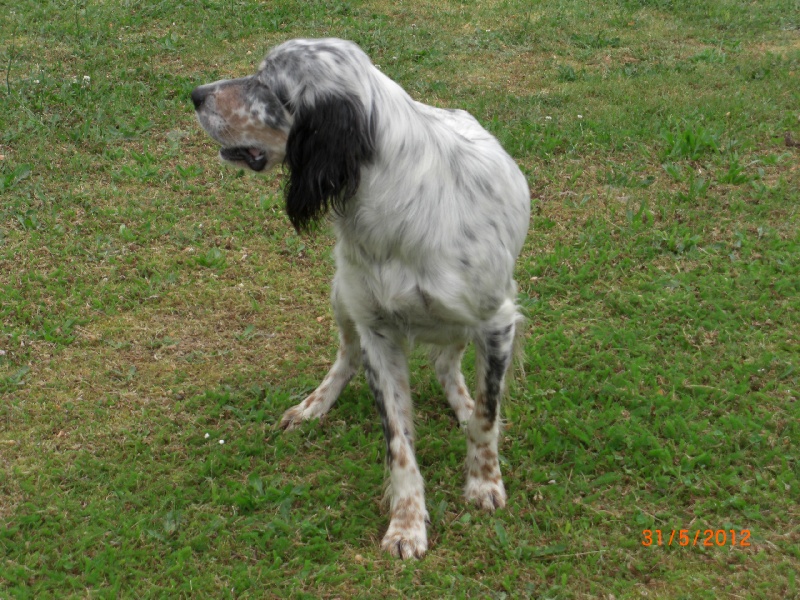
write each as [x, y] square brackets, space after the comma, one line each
[698, 537]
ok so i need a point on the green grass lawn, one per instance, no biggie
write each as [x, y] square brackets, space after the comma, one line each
[154, 303]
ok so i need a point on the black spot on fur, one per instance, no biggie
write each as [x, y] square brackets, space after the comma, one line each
[484, 186]
[496, 339]
[469, 233]
[380, 403]
[275, 109]
[497, 360]
[328, 144]
[425, 296]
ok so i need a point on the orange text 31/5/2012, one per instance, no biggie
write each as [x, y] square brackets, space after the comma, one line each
[697, 537]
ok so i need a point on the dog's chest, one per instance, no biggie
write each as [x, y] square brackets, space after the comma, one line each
[398, 293]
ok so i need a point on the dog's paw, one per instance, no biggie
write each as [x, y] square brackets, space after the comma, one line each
[407, 541]
[484, 481]
[293, 417]
[464, 412]
[313, 407]
[489, 495]
[406, 536]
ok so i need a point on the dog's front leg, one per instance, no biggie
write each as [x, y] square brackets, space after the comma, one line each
[348, 360]
[386, 369]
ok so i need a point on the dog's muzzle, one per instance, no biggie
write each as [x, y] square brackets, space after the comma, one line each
[254, 158]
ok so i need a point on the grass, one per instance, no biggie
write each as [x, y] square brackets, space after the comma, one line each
[154, 303]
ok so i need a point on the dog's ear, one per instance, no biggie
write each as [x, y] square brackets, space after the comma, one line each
[328, 144]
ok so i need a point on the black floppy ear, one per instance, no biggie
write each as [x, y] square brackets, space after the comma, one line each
[327, 146]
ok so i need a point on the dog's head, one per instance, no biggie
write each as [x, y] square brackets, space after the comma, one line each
[247, 119]
[302, 108]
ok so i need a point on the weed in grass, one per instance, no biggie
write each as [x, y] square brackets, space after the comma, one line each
[14, 381]
[710, 55]
[10, 179]
[674, 170]
[567, 73]
[735, 173]
[597, 41]
[696, 189]
[624, 177]
[689, 143]
[677, 240]
[213, 258]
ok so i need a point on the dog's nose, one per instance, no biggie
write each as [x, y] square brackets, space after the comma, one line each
[198, 97]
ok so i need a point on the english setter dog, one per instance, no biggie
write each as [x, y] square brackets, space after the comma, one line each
[430, 214]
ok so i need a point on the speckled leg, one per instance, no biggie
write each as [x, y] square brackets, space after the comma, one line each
[447, 363]
[348, 361]
[493, 355]
[386, 368]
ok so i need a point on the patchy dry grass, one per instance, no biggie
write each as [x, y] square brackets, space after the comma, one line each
[153, 303]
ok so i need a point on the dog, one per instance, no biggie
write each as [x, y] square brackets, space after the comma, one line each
[430, 215]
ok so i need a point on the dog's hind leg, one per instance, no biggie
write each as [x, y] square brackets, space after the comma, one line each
[386, 369]
[493, 351]
[348, 361]
[447, 364]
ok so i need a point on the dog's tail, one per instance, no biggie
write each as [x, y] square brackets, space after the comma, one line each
[516, 370]
[518, 351]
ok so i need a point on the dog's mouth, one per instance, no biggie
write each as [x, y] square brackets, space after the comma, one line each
[254, 158]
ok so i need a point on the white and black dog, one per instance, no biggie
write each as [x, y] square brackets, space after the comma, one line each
[430, 214]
